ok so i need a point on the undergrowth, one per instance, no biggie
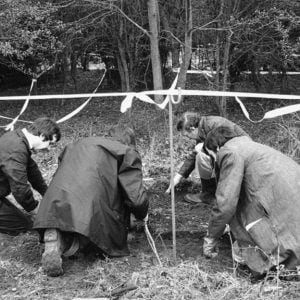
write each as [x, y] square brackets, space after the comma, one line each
[20, 272]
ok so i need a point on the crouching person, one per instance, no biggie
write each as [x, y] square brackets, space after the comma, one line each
[19, 173]
[197, 127]
[97, 185]
[258, 197]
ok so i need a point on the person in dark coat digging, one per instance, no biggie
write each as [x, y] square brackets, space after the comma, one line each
[19, 173]
[96, 187]
[258, 197]
[197, 127]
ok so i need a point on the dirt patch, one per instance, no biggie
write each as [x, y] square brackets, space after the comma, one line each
[192, 276]
[21, 255]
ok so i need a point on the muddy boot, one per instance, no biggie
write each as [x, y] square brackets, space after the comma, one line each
[51, 258]
[207, 195]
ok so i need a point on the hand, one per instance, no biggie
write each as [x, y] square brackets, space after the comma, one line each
[177, 179]
[198, 147]
[209, 247]
[32, 213]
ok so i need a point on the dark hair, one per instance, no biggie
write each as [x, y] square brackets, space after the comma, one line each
[188, 120]
[45, 126]
[219, 136]
[123, 135]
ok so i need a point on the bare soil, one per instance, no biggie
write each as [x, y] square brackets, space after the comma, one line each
[191, 223]
[89, 276]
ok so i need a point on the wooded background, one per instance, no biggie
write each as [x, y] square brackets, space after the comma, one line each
[140, 41]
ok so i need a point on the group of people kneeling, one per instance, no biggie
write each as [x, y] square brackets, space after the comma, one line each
[98, 183]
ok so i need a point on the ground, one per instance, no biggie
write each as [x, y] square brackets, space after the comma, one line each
[140, 276]
[24, 252]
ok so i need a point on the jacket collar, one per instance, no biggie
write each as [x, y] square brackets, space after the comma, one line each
[21, 134]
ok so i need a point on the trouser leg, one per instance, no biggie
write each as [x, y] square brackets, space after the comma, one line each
[208, 190]
[203, 164]
[208, 181]
[12, 220]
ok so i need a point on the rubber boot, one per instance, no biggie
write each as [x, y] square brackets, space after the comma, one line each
[207, 195]
[51, 258]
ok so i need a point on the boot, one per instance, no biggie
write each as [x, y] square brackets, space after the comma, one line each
[54, 247]
[207, 195]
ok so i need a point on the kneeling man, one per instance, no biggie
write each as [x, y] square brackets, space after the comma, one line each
[97, 185]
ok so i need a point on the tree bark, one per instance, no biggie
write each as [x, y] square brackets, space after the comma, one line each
[187, 55]
[154, 47]
[121, 72]
[74, 69]
[124, 66]
[223, 100]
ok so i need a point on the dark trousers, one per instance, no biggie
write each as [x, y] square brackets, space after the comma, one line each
[12, 220]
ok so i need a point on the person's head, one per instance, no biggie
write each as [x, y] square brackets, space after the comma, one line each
[217, 138]
[124, 135]
[45, 132]
[188, 125]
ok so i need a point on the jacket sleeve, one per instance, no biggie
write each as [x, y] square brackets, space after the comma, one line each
[131, 180]
[35, 177]
[188, 165]
[228, 192]
[15, 168]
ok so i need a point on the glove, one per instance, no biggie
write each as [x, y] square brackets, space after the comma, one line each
[198, 147]
[177, 179]
[209, 247]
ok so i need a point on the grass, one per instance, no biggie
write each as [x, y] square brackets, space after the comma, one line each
[192, 276]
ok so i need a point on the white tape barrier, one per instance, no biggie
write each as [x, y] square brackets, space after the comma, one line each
[73, 113]
[19, 120]
[272, 113]
[143, 96]
[211, 73]
[127, 102]
[11, 125]
[77, 110]
[170, 92]
[125, 105]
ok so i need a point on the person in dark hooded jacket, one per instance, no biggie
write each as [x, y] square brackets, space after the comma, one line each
[258, 197]
[97, 185]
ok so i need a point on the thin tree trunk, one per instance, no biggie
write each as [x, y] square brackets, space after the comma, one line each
[64, 74]
[124, 65]
[154, 46]
[218, 100]
[187, 55]
[225, 74]
[74, 69]
[121, 72]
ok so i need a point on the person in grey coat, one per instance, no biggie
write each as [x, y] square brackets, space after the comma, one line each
[96, 187]
[258, 197]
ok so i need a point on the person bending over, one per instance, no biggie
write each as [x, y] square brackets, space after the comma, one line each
[19, 172]
[97, 185]
[197, 127]
[258, 197]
